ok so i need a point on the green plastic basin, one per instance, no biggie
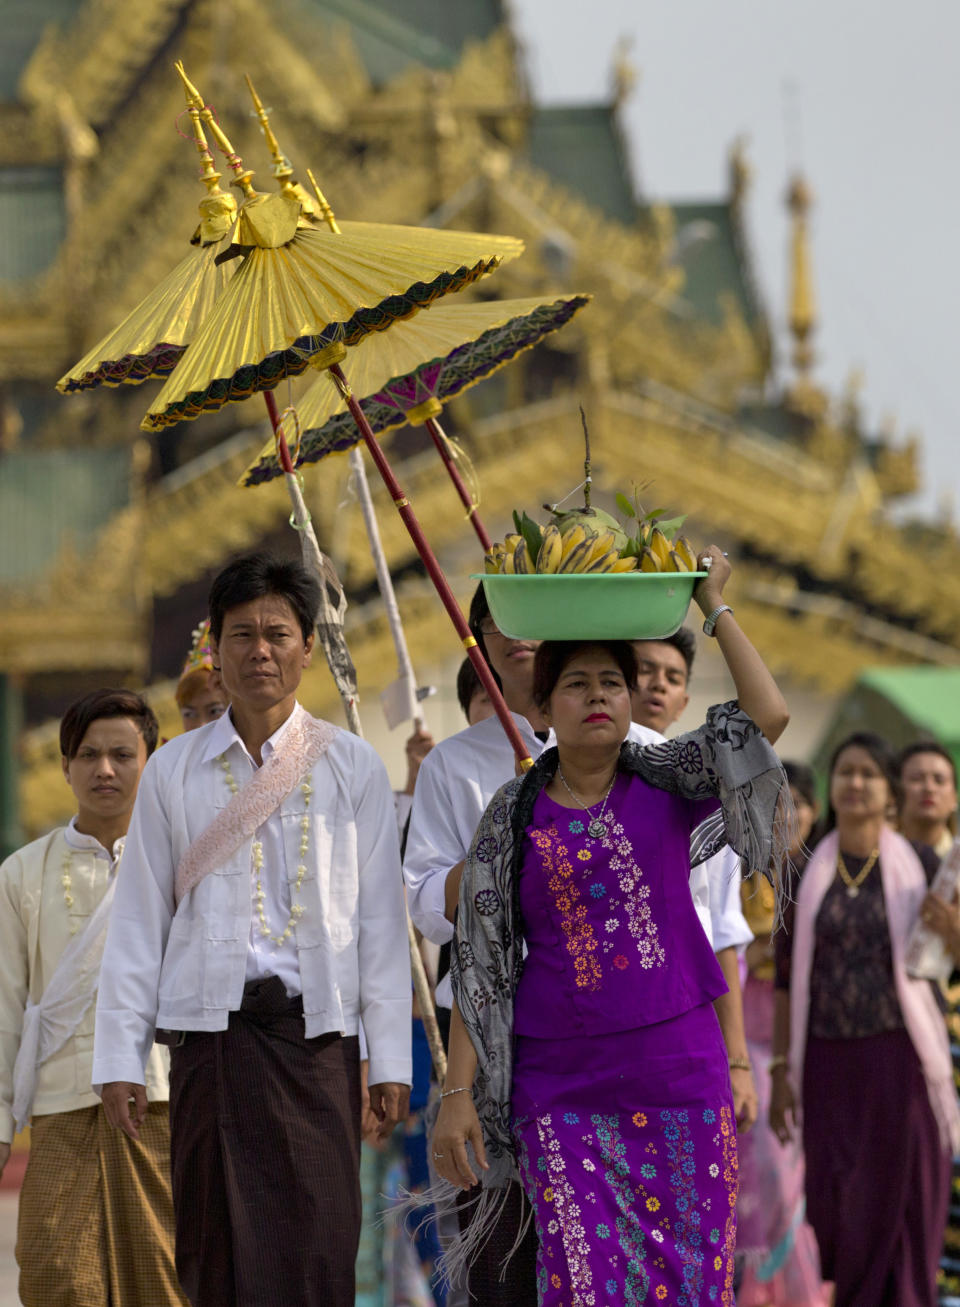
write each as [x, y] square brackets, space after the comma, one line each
[585, 605]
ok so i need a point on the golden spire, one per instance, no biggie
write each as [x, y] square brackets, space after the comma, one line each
[241, 175]
[282, 167]
[803, 310]
[326, 213]
[218, 209]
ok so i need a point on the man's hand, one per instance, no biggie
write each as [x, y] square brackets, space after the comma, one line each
[369, 1126]
[390, 1104]
[745, 1105]
[4, 1156]
[125, 1106]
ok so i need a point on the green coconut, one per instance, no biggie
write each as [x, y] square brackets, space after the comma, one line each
[593, 519]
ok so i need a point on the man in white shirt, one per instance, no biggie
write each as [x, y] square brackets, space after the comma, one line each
[261, 917]
[662, 693]
[96, 1217]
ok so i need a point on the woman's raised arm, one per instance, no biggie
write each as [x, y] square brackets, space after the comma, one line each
[757, 691]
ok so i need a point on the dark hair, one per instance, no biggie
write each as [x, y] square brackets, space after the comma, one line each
[479, 612]
[553, 656]
[257, 575]
[800, 777]
[925, 746]
[882, 754]
[468, 683]
[686, 642]
[93, 707]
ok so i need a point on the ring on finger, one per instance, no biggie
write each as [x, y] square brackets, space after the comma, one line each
[437, 1157]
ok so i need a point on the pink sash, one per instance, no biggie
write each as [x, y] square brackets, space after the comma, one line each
[904, 888]
[304, 742]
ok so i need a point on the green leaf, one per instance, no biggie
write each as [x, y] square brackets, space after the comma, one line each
[623, 503]
[516, 523]
[673, 524]
[655, 513]
[532, 533]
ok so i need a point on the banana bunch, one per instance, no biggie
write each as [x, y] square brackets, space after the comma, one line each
[581, 548]
[660, 555]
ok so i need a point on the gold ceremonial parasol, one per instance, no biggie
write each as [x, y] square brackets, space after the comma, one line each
[299, 298]
[150, 339]
[303, 292]
[407, 373]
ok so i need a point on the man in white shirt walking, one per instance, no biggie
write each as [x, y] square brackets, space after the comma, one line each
[260, 919]
[96, 1219]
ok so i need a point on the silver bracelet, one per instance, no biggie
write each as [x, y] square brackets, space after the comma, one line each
[464, 1089]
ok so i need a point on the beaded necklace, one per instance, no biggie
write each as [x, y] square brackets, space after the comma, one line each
[297, 909]
[66, 880]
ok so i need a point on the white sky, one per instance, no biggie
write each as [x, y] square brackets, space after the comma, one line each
[877, 93]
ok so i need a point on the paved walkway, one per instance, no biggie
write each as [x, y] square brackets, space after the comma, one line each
[8, 1233]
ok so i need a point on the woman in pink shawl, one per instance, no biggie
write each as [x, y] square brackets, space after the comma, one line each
[774, 1240]
[865, 1047]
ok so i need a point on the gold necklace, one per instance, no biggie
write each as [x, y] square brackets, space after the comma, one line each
[853, 883]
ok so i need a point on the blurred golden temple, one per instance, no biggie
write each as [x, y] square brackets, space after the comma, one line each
[108, 541]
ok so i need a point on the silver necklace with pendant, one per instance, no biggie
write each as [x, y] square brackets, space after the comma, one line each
[596, 827]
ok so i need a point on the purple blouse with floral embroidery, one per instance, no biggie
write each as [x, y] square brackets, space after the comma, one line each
[613, 939]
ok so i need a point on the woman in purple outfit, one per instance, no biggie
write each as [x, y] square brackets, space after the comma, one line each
[597, 1066]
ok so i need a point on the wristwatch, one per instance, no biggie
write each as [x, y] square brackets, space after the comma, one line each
[710, 625]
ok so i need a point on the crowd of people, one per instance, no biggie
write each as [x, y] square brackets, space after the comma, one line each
[686, 1060]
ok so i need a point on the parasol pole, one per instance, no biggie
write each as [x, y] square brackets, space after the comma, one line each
[329, 618]
[434, 571]
[440, 439]
[385, 585]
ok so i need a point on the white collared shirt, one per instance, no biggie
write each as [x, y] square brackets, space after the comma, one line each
[183, 966]
[78, 841]
[36, 925]
[264, 956]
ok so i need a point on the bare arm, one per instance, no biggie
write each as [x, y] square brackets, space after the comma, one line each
[451, 890]
[757, 691]
[782, 1103]
[729, 1010]
[457, 1122]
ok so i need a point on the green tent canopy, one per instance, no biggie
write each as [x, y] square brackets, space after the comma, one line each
[902, 704]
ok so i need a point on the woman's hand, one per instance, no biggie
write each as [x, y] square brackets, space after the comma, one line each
[744, 1097]
[944, 920]
[457, 1125]
[783, 1107]
[709, 592]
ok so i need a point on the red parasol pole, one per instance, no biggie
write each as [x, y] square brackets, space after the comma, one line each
[282, 448]
[438, 436]
[434, 570]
